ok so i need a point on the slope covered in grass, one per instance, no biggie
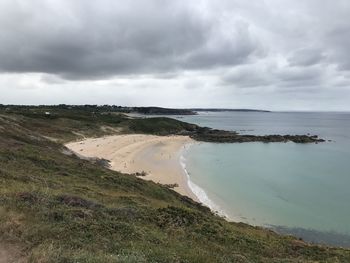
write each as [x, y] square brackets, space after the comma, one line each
[56, 207]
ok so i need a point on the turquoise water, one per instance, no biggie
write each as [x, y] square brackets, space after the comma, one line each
[303, 189]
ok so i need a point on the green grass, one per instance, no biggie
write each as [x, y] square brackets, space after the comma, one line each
[59, 208]
[160, 126]
[65, 125]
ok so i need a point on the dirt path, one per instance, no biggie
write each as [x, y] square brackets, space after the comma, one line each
[11, 254]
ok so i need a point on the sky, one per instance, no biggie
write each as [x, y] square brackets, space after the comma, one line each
[261, 54]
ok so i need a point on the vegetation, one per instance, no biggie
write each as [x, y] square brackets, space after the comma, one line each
[55, 207]
[114, 108]
[68, 121]
[163, 111]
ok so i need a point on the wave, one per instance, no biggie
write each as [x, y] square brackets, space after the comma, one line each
[199, 192]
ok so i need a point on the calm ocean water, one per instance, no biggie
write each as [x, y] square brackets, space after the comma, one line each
[300, 189]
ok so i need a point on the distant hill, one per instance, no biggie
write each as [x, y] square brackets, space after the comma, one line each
[220, 109]
[152, 110]
[162, 111]
[190, 111]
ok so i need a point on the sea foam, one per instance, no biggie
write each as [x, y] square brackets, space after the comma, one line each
[198, 191]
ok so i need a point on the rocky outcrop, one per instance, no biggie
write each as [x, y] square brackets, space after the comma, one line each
[213, 135]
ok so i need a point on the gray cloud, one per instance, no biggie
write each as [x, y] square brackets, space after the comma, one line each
[235, 51]
[296, 77]
[84, 40]
[306, 57]
[299, 77]
[247, 77]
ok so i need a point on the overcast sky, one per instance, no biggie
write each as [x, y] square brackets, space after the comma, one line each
[272, 54]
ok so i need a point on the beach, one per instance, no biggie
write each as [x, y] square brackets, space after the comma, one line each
[157, 156]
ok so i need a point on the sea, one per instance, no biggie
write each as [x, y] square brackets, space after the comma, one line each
[297, 189]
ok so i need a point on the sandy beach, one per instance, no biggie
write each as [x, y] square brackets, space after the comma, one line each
[158, 156]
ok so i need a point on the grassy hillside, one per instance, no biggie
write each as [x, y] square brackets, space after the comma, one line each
[55, 207]
[66, 124]
[63, 121]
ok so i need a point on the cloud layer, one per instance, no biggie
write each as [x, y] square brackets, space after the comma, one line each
[244, 53]
[99, 39]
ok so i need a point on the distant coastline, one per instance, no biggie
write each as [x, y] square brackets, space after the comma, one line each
[186, 111]
[226, 109]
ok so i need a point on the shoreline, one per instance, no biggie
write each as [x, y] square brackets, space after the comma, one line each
[160, 157]
[202, 196]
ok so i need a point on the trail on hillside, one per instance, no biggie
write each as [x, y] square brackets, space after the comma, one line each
[11, 254]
